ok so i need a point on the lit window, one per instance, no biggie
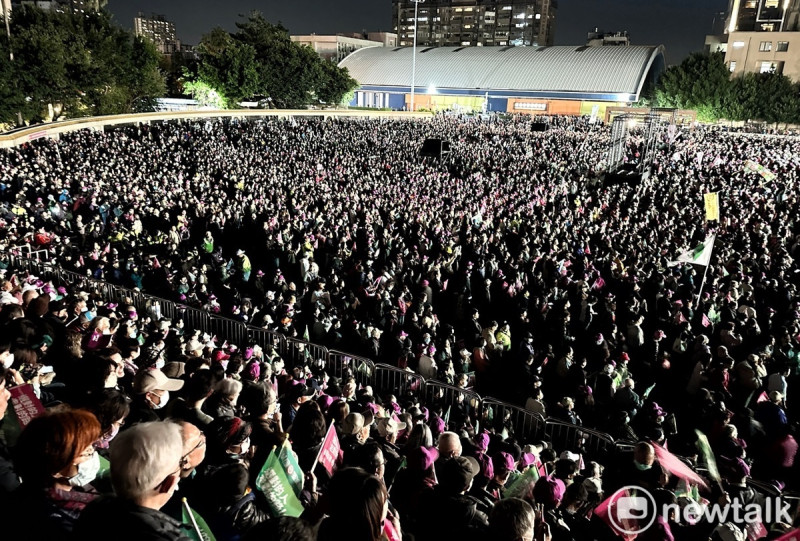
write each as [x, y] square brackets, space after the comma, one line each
[782, 47]
[538, 16]
[765, 46]
[733, 66]
[738, 44]
[767, 67]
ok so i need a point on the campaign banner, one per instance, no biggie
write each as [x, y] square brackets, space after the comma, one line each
[329, 452]
[26, 405]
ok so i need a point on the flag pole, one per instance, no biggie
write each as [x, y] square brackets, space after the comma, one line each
[705, 272]
[191, 517]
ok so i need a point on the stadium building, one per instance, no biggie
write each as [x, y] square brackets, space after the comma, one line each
[537, 80]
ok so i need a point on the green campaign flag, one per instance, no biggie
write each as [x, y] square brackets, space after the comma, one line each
[290, 466]
[276, 487]
[520, 486]
[105, 467]
[194, 523]
[708, 455]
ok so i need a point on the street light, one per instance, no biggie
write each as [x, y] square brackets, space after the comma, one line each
[6, 9]
[413, 53]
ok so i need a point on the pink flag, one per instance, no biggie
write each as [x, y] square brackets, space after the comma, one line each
[793, 535]
[677, 467]
[763, 397]
[25, 404]
[706, 322]
[329, 452]
[620, 522]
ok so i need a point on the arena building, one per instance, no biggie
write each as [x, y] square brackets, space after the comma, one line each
[538, 80]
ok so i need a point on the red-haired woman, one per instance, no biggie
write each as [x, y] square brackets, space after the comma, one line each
[57, 461]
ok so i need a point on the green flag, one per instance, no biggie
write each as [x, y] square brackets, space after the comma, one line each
[105, 467]
[708, 455]
[276, 487]
[194, 523]
[519, 487]
[306, 335]
[290, 466]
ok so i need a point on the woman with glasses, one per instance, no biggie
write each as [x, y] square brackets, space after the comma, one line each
[56, 459]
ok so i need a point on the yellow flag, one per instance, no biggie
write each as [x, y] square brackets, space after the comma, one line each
[712, 206]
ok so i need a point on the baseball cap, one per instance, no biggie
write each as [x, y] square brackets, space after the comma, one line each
[482, 441]
[455, 473]
[503, 462]
[220, 355]
[155, 380]
[422, 458]
[352, 424]
[299, 390]
[388, 426]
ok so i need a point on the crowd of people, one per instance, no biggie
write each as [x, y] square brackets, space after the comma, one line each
[509, 266]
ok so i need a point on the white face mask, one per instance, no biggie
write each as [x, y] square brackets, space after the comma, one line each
[87, 471]
[245, 446]
[162, 402]
[160, 364]
[8, 361]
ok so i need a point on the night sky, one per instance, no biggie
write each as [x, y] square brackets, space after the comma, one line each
[680, 25]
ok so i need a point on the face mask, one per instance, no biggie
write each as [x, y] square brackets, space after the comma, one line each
[106, 438]
[160, 364]
[162, 402]
[87, 471]
[8, 361]
[641, 467]
[245, 446]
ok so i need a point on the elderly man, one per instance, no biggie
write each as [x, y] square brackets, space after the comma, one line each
[146, 466]
[192, 455]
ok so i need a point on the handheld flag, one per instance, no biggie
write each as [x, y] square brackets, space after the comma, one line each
[712, 206]
[676, 467]
[612, 512]
[26, 405]
[198, 529]
[293, 472]
[329, 452]
[708, 456]
[522, 484]
[700, 255]
[276, 487]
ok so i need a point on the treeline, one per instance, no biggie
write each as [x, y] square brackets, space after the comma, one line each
[704, 83]
[66, 65]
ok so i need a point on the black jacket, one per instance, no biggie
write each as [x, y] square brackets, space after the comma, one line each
[446, 516]
[114, 518]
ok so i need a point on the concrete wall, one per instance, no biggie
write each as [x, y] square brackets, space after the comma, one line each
[744, 48]
[53, 130]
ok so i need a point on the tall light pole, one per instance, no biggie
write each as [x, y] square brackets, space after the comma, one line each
[8, 28]
[413, 52]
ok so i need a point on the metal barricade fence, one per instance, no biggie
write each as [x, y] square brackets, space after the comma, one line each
[264, 338]
[384, 379]
[454, 398]
[393, 380]
[565, 436]
[195, 319]
[228, 329]
[299, 352]
[343, 365]
[527, 425]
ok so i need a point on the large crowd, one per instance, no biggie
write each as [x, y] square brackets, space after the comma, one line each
[511, 266]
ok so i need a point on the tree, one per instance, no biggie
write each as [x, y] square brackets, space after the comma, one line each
[78, 64]
[260, 60]
[700, 82]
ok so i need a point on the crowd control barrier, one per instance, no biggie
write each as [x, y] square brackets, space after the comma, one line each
[384, 379]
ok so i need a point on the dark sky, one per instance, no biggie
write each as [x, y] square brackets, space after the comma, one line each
[680, 25]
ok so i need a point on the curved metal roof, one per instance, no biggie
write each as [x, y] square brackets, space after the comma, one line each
[601, 70]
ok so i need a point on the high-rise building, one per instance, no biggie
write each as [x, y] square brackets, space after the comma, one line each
[763, 16]
[760, 36]
[74, 6]
[336, 47]
[158, 30]
[442, 23]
